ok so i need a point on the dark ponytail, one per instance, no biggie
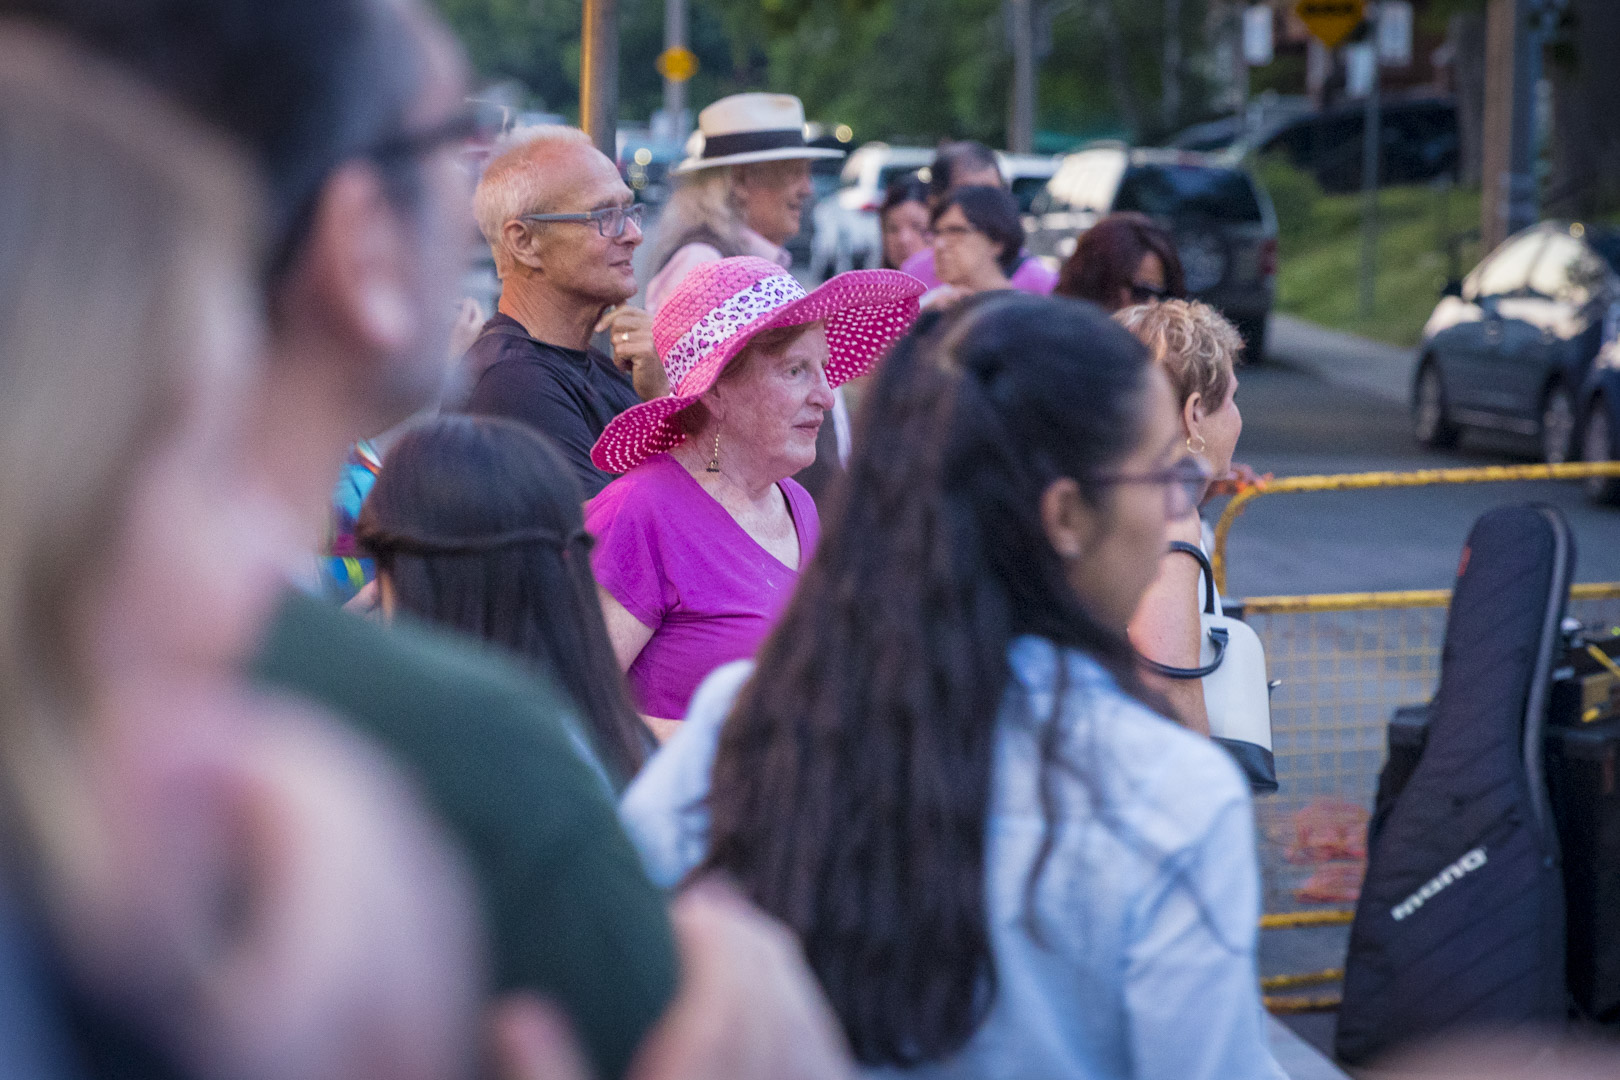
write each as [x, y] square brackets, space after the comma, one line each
[852, 781]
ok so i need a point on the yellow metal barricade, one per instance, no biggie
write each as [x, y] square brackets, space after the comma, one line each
[1345, 662]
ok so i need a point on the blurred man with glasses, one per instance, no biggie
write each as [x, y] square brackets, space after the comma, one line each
[354, 113]
[564, 229]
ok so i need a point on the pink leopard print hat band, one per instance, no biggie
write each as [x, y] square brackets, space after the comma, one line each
[720, 306]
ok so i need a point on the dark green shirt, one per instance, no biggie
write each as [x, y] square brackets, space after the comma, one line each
[569, 910]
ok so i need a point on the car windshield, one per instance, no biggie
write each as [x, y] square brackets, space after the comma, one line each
[1172, 191]
[1025, 188]
[890, 173]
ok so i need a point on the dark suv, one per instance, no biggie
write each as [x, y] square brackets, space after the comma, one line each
[1222, 221]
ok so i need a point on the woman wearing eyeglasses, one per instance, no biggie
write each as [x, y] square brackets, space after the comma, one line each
[1196, 347]
[1124, 259]
[978, 244]
[944, 775]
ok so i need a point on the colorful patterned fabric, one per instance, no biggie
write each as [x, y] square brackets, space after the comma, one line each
[344, 570]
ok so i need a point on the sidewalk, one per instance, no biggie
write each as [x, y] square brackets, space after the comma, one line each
[1385, 370]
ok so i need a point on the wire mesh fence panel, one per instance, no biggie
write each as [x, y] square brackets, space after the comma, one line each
[1343, 664]
[1342, 672]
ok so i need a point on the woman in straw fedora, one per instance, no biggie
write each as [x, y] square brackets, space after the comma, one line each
[743, 191]
[700, 542]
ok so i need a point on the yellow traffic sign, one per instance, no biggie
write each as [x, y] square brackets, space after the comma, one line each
[677, 64]
[1331, 21]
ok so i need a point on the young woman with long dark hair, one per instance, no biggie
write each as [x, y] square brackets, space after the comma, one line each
[942, 774]
[476, 524]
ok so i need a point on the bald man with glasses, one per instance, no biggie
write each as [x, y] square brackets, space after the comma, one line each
[563, 229]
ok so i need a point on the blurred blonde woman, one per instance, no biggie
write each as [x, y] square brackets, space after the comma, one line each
[1197, 348]
[220, 876]
[743, 192]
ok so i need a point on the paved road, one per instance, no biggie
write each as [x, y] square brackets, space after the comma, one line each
[1329, 403]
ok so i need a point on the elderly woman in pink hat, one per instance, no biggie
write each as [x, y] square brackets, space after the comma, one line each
[700, 542]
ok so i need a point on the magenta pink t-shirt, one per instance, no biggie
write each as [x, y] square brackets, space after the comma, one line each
[1031, 276]
[679, 562]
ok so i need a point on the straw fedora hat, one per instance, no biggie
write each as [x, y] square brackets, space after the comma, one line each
[743, 128]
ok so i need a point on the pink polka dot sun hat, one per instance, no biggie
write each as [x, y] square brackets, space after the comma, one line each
[720, 306]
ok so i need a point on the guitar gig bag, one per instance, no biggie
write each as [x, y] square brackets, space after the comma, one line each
[1460, 925]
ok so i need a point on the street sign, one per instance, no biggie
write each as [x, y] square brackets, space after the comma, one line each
[1331, 21]
[1395, 33]
[677, 64]
[1257, 43]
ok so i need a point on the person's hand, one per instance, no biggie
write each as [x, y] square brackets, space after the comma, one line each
[1240, 478]
[944, 296]
[630, 331]
[748, 1008]
[367, 602]
[531, 1039]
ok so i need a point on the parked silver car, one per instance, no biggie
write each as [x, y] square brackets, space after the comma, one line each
[846, 234]
[1221, 218]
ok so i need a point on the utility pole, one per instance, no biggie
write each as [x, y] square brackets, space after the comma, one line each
[599, 75]
[1512, 70]
[1170, 76]
[1021, 102]
[675, 89]
[1372, 136]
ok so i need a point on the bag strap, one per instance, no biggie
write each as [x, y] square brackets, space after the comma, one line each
[1217, 637]
[1217, 634]
[1209, 574]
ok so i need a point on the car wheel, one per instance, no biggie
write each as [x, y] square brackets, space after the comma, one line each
[1597, 444]
[1430, 422]
[1253, 332]
[1557, 424]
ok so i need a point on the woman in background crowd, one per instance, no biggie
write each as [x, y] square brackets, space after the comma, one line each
[942, 773]
[476, 523]
[903, 221]
[744, 193]
[231, 885]
[700, 542]
[1196, 348]
[1124, 259]
[978, 244]
[972, 164]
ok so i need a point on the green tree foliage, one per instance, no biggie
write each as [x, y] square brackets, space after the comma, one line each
[537, 43]
[915, 70]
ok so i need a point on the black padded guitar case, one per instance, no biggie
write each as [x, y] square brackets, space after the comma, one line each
[1460, 925]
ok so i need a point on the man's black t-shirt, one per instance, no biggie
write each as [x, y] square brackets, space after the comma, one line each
[569, 395]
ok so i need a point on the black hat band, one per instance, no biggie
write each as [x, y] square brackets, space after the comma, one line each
[746, 142]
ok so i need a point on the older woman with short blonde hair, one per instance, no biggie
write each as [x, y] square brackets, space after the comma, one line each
[1197, 348]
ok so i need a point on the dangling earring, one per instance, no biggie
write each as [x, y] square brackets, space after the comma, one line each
[1199, 449]
[714, 462]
